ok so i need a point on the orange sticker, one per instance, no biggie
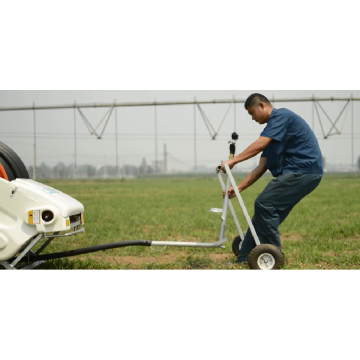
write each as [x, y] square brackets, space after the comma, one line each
[30, 217]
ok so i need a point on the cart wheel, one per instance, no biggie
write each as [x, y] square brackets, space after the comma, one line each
[11, 166]
[236, 245]
[266, 257]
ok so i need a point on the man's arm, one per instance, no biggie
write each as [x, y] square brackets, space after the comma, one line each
[254, 149]
[251, 178]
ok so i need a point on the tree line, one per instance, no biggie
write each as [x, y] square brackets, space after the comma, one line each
[62, 171]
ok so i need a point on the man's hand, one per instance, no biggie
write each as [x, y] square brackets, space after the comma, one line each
[231, 193]
[230, 163]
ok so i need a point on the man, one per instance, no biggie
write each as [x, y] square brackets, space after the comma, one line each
[291, 152]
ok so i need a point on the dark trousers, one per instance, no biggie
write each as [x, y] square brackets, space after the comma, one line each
[273, 206]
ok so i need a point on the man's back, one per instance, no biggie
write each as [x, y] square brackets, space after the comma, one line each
[294, 147]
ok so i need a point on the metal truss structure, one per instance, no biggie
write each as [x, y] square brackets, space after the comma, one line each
[335, 129]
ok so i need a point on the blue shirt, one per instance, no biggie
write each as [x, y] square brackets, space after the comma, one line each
[294, 147]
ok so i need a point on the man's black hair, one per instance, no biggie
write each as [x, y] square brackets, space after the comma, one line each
[254, 99]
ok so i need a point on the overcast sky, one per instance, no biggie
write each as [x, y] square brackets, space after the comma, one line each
[188, 45]
[175, 126]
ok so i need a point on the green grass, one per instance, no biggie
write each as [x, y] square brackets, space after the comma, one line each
[322, 232]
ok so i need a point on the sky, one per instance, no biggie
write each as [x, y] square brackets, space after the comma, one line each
[221, 48]
[55, 129]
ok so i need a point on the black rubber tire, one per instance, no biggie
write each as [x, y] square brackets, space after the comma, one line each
[8, 171]
[236, 246]
[12, 164]
[274, 253]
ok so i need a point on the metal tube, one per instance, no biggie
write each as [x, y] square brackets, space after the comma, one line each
[189, 244]
[242, 205]
[232, 209]
[34, 170]
[165, 103]
[317, 111]
[24, 252]
[224, 210]
[82, 230]
[338, 118]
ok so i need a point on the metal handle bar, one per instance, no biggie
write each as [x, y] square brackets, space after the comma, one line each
[241, 202]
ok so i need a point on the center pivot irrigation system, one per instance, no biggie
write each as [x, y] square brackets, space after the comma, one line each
[31, 212]
[335, 127]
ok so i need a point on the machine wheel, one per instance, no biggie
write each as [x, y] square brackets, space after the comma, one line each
[5, 171]
[266, 257]
[11, 166]
[236, 246]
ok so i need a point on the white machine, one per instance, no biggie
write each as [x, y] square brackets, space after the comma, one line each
[30, 211]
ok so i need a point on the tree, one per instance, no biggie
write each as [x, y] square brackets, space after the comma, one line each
[43, 171]
[358, 163]
[60, 170]
[143, 167]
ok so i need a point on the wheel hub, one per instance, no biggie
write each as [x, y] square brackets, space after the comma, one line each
[266, 261]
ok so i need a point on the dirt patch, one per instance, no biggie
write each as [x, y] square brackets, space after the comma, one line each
[354, 238]
[160, 260]
[137, 260]
[220, 257]
[323, 266]
[330, 253]
[292, 237]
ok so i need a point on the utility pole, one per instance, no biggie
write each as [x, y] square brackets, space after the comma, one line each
[234, 114]
[352, 130]
[116, 141]
[195, 134]
[105, 169]
[75, 165]
[156, 141]
[313, 113]
[165, 159]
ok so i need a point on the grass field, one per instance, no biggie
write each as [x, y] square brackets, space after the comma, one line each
[322, 232]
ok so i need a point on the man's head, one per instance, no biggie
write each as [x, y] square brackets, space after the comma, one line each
[259, 108]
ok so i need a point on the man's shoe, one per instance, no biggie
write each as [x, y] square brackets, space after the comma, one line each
[242, 262]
